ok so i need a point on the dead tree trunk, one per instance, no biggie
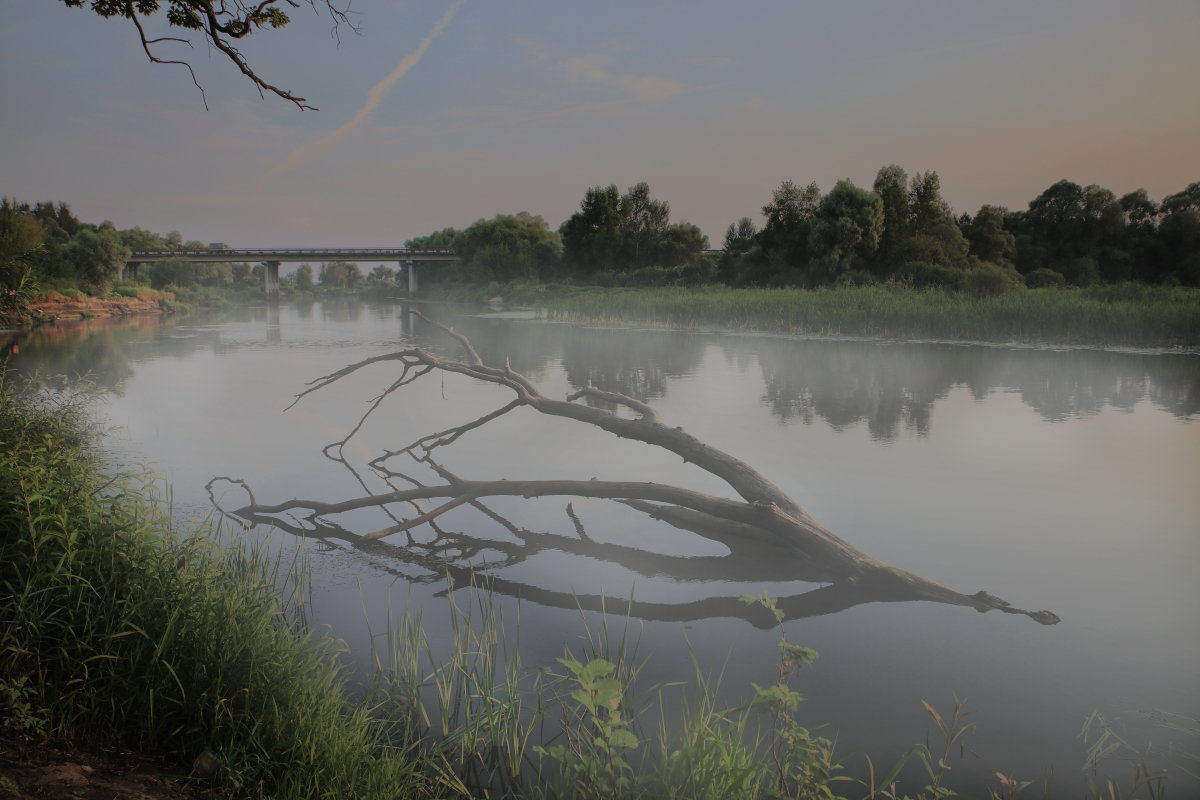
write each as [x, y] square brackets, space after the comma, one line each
[765, 521]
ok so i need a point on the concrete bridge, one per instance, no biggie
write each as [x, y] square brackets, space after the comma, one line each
[272, 258]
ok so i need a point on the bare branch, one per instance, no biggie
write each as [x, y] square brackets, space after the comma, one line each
[403, 380]
[415, 521]
[220, 23]
[217, 32]
[325, 380]
[578, 523]
[767, 534]
[433, 441]
[647, 413]
[155, 59]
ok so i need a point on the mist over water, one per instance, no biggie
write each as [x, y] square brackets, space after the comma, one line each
[1059, 480]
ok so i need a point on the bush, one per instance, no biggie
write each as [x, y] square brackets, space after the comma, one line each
[856, 277]
[990, 280]
[1043, 278]
[1081, 271]
[921, 275]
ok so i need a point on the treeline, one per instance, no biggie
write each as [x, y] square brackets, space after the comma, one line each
[613, 236]
[45, 247]
[901, 229]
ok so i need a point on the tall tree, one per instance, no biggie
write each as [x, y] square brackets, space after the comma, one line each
[679, 244]
[926, 207]
[445, 239]
[340, 275]
[509, 247]
[740, 237]
[97, 256]
[592, 236]
[60, 215]
[304, 277]
[1179, 232]
[934, 236]
[988, 239]
[21, 236]
[1142, 216]
[790, 213]
[846, 231]
[891, 184]
[381, 274]
[643, 223]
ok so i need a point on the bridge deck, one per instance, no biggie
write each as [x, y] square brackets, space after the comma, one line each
[305, 254]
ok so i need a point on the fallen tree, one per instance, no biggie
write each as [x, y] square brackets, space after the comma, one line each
[767, 534]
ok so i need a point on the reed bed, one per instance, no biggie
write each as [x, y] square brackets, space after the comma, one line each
[1126, 315]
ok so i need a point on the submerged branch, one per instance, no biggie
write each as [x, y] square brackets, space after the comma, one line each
[767, 534]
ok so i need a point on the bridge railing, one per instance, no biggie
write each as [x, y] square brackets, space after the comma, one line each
[357, 252]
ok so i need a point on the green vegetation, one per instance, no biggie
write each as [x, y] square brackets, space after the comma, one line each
[899, 234]
[475, 717]
[115, 631]
[901, 230]
[1127, 315]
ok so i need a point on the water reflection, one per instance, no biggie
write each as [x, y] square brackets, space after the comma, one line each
[628, 362]
[97, 349]
[893, 387]
[459, 559]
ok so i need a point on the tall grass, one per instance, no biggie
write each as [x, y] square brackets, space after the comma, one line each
[1128, 314]
[115, 631]
[487, 725]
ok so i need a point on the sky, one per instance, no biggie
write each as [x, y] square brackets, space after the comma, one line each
[436, 114]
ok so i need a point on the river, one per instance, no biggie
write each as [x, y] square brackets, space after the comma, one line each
[1057, 479]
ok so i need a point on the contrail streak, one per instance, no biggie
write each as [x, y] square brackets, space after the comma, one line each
[307, 152]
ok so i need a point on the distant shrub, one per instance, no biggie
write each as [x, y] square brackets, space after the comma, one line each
[990, 280]
[1083, 271]
[701, 271]
[653, 276]
[921, 275]
[856, 277]
[1043, 278]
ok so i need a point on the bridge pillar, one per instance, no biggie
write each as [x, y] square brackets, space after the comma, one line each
[412, 277]
[271, 279]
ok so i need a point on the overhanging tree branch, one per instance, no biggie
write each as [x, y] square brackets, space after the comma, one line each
[220, 23]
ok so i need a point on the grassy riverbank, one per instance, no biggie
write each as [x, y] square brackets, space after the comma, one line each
[1131, 315]
[116, 632]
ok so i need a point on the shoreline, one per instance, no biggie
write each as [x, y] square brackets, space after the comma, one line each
[67, 309]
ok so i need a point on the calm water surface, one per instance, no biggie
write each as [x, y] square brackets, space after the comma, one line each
[1059, 480]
